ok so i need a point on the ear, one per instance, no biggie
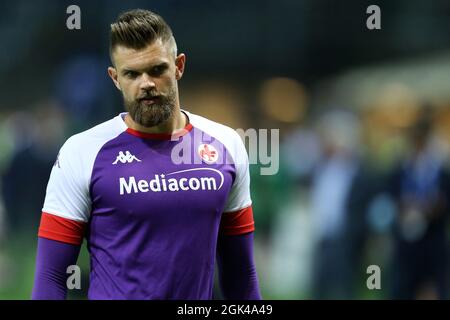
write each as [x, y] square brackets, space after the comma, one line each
[112, 72]
[180, 62]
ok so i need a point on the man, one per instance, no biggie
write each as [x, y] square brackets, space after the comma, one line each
[156, 191]
[420, 187]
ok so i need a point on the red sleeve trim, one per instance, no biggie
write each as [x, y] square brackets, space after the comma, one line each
[61, 229]
[237, 222]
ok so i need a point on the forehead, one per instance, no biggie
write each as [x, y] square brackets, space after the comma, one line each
[154, 53]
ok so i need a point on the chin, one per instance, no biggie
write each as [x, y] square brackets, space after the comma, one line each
[153, 121]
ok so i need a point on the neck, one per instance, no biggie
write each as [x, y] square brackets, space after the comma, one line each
[176, 122]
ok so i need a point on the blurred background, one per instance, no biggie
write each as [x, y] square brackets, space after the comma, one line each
[364, 120]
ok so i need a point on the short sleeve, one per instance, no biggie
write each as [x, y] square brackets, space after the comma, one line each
[67, 205]
[237, 217]
[67, 192]
[239, 196]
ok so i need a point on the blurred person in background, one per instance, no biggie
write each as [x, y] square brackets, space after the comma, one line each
[37, 136]
[82, 91]
[341, 191]
[281, 197]
[420, 185]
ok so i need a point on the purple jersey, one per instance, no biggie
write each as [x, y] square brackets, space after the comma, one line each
[150, 206]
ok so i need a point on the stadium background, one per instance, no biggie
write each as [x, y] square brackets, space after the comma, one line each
[309, 68]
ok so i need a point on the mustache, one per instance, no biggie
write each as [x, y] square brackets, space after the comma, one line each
[149, 95]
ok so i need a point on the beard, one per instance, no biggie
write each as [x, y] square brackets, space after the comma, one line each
[150, 115]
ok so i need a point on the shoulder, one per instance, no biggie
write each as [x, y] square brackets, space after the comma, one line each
[91, 140]
[207, 125]
[225, 134]
[79, 152]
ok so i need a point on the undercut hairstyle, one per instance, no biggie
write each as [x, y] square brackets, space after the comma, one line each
[139, 28]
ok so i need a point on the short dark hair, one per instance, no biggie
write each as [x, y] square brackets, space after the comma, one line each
[138, 28]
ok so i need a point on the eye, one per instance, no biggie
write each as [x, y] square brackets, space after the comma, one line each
[130, 74]
[159, 70]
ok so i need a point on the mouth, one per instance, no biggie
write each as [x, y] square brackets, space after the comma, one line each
[149, 100]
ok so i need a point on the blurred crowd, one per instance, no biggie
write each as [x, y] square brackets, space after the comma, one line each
[359, 186]
[356, 187]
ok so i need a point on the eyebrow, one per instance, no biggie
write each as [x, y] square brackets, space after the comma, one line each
[159, 64]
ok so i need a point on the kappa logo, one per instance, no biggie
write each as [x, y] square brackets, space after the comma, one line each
[126, 158]
[208, 153]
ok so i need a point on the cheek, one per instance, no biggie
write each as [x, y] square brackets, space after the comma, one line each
[167, 83]
[129, 90]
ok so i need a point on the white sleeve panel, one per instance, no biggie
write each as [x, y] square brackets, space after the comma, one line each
[67, 192]
[68, 189]
[239, 196]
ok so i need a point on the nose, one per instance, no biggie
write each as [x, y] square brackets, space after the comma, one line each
[147, 82]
